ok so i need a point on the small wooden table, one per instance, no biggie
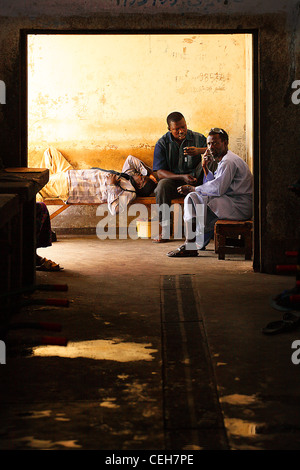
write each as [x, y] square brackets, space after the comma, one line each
[233, 237]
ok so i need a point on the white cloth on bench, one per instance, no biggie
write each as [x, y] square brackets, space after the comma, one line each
[88, 186]
[57, 186]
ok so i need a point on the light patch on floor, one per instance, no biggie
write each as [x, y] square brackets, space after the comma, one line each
[62, 419]
[30, 441]
[99, 350]
[192, 447]
[137, 391]
[38, 414]
[109, 403]
[123, 376]
[149, 413]
[241, 428]
[237, 399]
[44, 414]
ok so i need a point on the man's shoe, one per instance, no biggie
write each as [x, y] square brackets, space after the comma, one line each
[161, 239]
[182, 252]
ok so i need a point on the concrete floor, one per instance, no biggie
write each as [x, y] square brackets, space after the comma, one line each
[162, 354]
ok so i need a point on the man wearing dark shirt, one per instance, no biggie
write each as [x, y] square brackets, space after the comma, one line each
[177, 161]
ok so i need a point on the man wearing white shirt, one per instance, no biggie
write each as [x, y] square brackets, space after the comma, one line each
[226, 194]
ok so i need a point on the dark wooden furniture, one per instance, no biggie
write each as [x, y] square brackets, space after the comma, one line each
[146, 201]
[25, 183]
[233, 237]
[10, 232]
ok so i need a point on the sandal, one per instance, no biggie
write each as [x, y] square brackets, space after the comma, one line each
[182, 252]
[289, 322]
[161, 239]
[48, 265]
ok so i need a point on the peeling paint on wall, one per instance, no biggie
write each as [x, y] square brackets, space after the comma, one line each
[107, 96]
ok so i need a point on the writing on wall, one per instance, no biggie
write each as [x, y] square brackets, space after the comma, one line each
[114, 107]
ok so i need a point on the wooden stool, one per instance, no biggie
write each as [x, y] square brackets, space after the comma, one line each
[233, 237]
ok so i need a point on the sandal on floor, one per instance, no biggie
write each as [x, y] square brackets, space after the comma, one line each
[160, 239]
[182, 252]
[48, 265]
[289, 322]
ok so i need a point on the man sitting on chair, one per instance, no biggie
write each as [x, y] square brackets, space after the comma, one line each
[226, 194]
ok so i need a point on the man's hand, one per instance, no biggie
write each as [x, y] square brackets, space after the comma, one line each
[206, 159]
[189, 179]
[193, 151]
[185, 189]
[152, 177]
[111, 178]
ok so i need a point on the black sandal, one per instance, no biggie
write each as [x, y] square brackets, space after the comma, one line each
[182, 252]
[161, 239]
[289, 322]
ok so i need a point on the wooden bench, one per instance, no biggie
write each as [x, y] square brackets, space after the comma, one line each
[64, 205]
[147, 201]
[233, 237]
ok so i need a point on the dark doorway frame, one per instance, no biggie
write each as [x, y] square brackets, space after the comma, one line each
[255, 103]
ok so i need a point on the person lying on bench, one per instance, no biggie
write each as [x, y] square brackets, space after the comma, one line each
[96, 185]
[226, 194]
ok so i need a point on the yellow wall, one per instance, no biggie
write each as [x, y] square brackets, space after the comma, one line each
[98, 98]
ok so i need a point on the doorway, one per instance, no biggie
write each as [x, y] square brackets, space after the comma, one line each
[99, 96]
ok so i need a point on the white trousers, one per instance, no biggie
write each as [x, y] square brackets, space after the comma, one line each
[196, 208]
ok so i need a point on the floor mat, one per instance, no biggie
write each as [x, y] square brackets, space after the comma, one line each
[192, 416]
